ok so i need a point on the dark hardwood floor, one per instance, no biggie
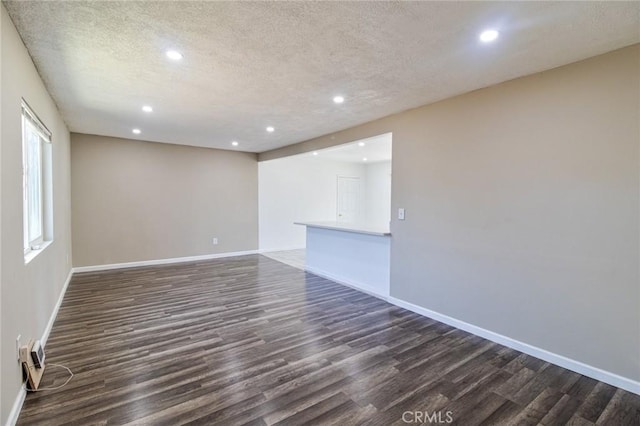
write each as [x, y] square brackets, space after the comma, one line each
[249, 340]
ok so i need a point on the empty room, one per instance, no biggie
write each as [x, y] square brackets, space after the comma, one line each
[319, 213]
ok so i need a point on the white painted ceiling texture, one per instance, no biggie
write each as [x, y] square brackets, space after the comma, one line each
[249, 65]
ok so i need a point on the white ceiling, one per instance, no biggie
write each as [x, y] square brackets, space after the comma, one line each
[248, 65]
[374, 149]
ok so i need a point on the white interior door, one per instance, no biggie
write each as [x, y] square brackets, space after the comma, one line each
[348, 201]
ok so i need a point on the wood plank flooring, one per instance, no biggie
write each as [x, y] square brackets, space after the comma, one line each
[250, 340]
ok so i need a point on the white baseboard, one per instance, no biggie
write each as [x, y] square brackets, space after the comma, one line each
[96, 268]
[349, 283]
[562, 361]
[54, 314]
[17, 406]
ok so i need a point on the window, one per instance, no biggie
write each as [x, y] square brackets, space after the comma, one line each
[36, 180]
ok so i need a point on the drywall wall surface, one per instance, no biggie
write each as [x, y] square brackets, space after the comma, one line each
[137, 201]
[29, 291]
[378, 194]
[522, 206]
[300, 189]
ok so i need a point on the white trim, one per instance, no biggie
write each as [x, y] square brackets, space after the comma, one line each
[33, 253]
[36, 122]
[562, 361]
[54, 314]
[161, 261]
[17, 406]
[347, 282]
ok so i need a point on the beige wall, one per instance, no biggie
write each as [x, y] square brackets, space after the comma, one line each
[29, 292]
[136, 201]
[522, 206]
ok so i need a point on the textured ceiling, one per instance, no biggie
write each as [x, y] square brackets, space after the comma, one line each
[248, 65]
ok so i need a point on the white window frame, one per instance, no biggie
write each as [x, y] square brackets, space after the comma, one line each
[32, 125]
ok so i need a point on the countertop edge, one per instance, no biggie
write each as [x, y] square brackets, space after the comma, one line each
[355, 229]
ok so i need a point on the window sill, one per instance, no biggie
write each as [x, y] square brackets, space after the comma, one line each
[34, 253]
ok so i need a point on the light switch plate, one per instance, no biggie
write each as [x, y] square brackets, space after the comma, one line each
[401, 214]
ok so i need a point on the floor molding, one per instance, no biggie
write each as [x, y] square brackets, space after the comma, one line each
[54, 314]
[17, 407]
[95, 268]
[562, 361]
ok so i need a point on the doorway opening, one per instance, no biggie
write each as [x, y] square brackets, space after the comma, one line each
[349, 183]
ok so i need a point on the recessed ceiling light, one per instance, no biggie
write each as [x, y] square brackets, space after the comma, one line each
[174, 55]
[147, 108]
[234, 143]
[489, 36]
[315, 152]
[338, 99]
[360, 143]
[364, 159]
[270, 129]
[136, 131]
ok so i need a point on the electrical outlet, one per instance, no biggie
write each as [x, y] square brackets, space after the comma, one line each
[18, 346]
[215, 241]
